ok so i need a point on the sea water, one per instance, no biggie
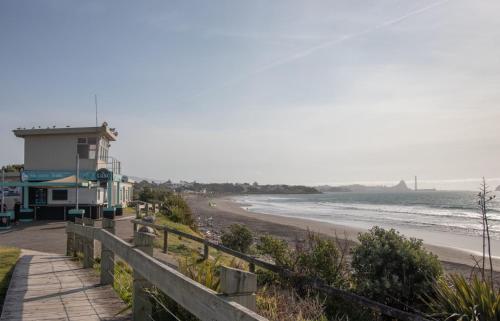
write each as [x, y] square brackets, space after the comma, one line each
[444, 218]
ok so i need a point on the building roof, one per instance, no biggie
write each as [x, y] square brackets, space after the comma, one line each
[103, 130]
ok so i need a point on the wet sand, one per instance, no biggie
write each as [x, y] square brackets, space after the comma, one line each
[227, 212]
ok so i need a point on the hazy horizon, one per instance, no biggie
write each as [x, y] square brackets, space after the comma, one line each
[290, 92]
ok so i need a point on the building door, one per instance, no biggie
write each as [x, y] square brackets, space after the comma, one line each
[37, 196]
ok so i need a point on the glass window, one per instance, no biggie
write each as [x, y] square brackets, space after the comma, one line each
[92, 151]
[83, 151]
[60, 195]
[87, 147]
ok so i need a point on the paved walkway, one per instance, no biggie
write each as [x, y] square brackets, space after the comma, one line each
[50, 236]
[54, 287]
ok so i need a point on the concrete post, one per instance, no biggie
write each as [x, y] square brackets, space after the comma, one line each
[239, 286]
[118, 194]
[88, 246]
[25, 197]
[107, 256]
[137, 211]
[142, 308]
[78, 246]
[70, 242]
[110, 193]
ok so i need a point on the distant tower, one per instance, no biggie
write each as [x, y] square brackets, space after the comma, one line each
[416, 186]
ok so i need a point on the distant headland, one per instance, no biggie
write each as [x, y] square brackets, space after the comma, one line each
[358, 188]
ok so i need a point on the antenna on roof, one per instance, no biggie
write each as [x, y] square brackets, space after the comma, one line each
[95, 101]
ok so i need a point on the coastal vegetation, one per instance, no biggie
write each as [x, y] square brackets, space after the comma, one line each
[238, 238]
[383, 265]
[221, 188]
[392, 269]
[456, 299]
[8, 259]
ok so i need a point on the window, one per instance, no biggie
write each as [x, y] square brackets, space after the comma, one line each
[83, 151]
[60, 195]
[103, 149]
[87, 147]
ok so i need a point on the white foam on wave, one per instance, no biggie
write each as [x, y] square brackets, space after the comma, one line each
[456, 220]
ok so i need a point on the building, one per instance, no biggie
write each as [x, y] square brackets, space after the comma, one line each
[49, 182]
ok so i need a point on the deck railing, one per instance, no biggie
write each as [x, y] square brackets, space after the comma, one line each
[314, 283]
[199, 300]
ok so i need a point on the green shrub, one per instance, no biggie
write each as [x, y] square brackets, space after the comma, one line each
[177, 209]
[277, 250]
[238, 238]
[392, 269]
[456, 299]
[321, 258]
[316, 258]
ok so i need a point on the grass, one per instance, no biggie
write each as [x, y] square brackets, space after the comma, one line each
[124, 282]
[180, 247]
[8, 259]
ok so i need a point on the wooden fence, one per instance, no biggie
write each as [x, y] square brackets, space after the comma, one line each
[313, 282]
[199, 300]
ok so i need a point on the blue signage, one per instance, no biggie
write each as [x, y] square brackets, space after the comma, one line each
[103, 175]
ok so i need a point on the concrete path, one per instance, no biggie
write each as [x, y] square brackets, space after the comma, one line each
[50, 236]
[54, 287]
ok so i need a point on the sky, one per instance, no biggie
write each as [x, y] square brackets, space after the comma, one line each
[294, 92]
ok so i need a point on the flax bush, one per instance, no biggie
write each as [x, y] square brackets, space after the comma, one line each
[456, 299]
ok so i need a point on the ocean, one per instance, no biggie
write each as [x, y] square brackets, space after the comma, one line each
[444, 218]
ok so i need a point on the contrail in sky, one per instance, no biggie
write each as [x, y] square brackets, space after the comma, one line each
[309, 51]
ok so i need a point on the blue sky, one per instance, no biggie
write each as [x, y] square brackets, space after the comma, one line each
[274, 91]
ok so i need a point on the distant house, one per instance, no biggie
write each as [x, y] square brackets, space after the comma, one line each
[49, 181]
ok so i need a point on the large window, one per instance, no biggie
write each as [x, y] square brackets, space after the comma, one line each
[103, 150]
[87, 147]
[60, 195]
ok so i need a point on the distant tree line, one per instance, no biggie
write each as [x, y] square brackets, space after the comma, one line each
[228, 188]
[13, 168]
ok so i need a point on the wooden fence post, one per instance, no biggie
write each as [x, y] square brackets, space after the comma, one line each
[239, 286]
[88, 246]
[205, 250]
[142, 308]
[165, 240]
[107, 256]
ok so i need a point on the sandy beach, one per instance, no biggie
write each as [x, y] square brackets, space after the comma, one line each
[227, 212]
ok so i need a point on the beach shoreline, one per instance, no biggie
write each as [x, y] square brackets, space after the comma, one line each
[228, 211]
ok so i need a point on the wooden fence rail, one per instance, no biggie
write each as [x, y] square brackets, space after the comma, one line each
[317, 284]
[199, 300]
